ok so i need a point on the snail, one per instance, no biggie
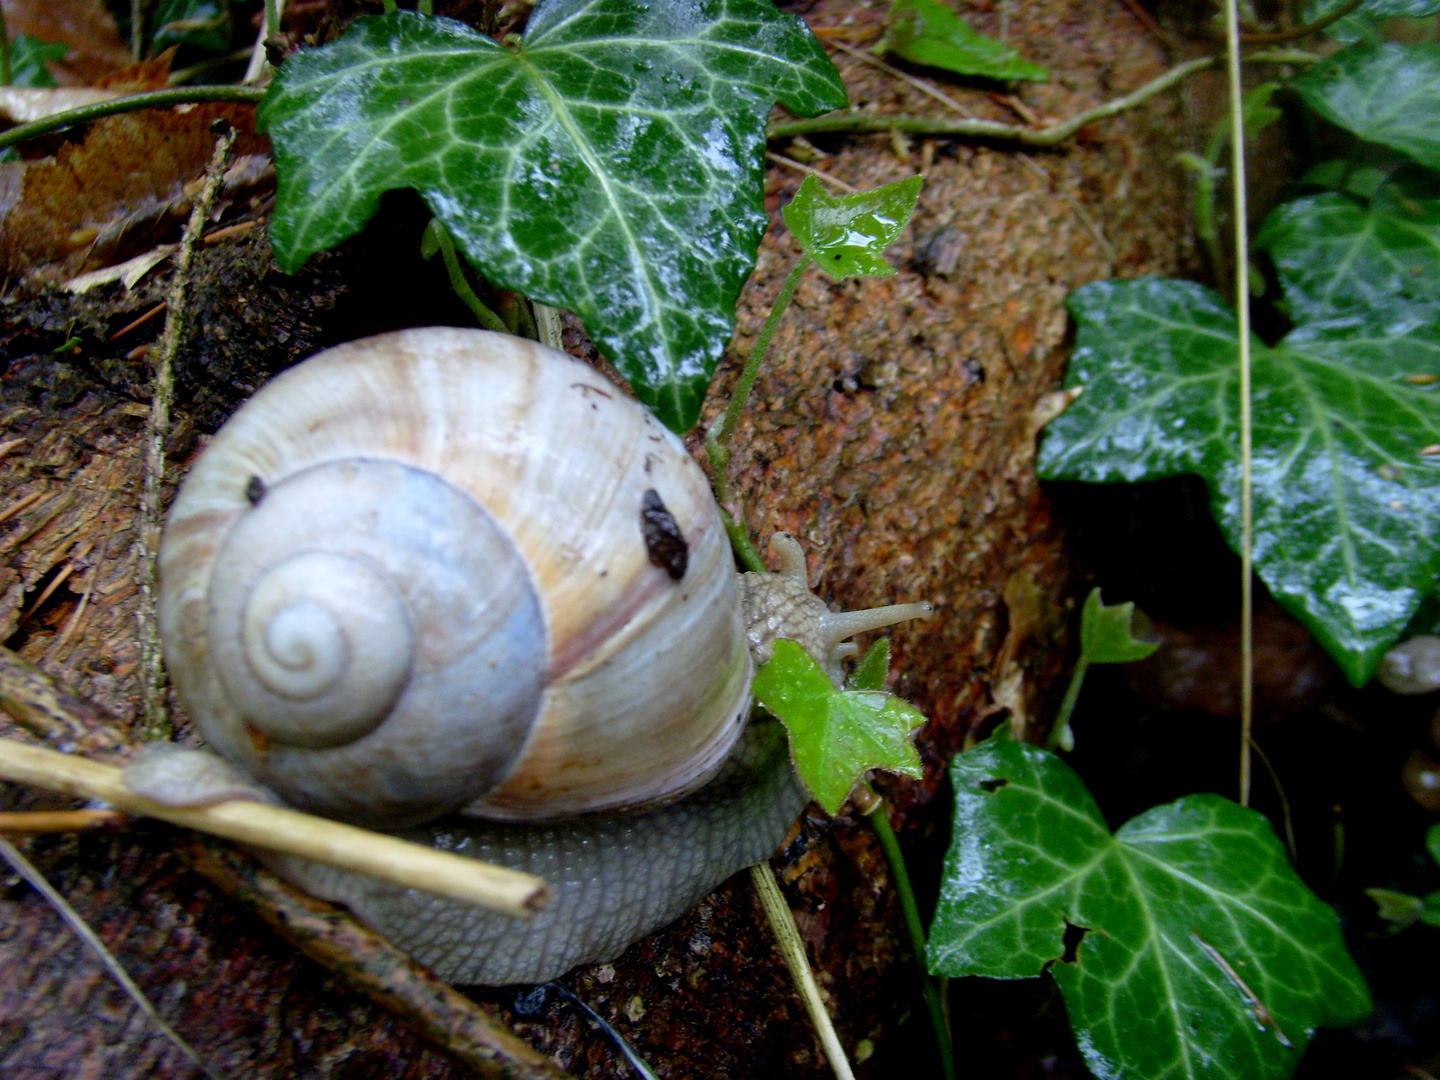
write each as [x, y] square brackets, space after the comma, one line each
[456, 585]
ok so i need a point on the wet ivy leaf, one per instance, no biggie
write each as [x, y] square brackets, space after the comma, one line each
[610, 163]
[1183, 944]
[929, 33]
[1387, 94]
[836, 735]
[1362, 24]
[1347, 507]
[1340, 259]
[847, 235]
[27, 61]
[1105, 633]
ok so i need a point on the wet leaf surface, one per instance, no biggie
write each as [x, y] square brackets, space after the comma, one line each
[1346, 505]
[1184, 945]
[611, 163]
[1387, 94]
[836, 735]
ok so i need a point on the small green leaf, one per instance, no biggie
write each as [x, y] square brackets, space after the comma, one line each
[202, 24]
[874, 666]
[1347, 509]
[1105, 634]
[1387, 94]
[1184, 944]
[1256, 112]
[1399, 908]
[1432, 842]
[1339, 260]
[927, 32]
[27, 61]
[611, 163]
[836, 735]
[846, 235]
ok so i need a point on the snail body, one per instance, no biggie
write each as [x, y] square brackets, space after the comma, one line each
[455, 583]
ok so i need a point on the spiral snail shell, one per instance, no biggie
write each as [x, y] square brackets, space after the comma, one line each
[444, 571]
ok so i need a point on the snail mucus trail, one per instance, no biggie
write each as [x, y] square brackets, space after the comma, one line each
[451, 584]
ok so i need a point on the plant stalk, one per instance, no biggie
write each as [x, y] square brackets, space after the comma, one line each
[929, 986]
[717, 439]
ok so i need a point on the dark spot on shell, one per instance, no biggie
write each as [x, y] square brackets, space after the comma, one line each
[255, 490]
[664, 542]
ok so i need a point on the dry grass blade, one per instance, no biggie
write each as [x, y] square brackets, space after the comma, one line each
[280, 829]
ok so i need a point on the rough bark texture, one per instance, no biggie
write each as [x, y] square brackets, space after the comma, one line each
[892, 433]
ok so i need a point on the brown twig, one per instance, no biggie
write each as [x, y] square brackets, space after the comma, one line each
[152, 673]
[330, 935]
[32, 822]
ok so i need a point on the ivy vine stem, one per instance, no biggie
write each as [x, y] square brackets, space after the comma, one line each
[151, 99]
[438, 235]
[872, 805]
[717, 438]
[872, 123]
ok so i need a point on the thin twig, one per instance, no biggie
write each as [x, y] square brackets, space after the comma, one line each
[1295, 33]
[81, 929]
[1242, 311]
[792, 947]
[919, 84]
[856, 122]
[157, 429]
[368, 962]
[279, 828]
[34, 822]
[800, 166]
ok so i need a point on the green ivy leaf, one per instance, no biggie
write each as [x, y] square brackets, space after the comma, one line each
[836, 735]
[1347, 508]
[1387, 94]
[1360, 25]
[874, 666]
[27, 61]
[927, 32]
[1340, 260]
[846, 235]
[611, 163]
[202, 24]
[1105, 633]
[1432, 843]
[1398, 908]
[1200, 952]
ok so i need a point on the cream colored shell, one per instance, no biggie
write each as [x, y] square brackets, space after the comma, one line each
[633, 686]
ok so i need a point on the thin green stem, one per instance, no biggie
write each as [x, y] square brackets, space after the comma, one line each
[717, 439]
[1242, 312]
[1059, 730]
[488, 319]
[151, 99]
[745, 550]
[890, 845]
[5, 73]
